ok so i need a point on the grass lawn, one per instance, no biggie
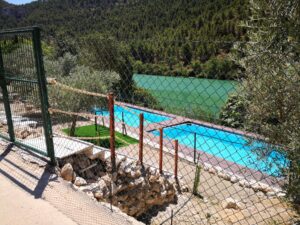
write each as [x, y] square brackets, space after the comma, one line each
[103, 132]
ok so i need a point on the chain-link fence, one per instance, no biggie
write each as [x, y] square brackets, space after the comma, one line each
[177, 139]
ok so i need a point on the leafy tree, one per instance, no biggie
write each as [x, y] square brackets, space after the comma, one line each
[104, 53]
[173, 37]
[234, 112]
[271, 85]
[80, 77]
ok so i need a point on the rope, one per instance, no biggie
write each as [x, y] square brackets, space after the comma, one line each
[89, 115]
[83, 138]
[52, 81]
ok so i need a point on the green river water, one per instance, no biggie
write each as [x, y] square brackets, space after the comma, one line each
[194, 97]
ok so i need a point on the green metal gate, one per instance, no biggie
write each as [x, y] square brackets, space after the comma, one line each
[24, 116]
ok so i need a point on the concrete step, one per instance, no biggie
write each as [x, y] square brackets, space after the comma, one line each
[97, 152]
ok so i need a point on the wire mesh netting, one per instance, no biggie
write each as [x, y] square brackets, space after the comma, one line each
[194, 144]
[22, 90]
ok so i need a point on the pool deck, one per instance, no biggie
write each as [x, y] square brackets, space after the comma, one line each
[187, 153]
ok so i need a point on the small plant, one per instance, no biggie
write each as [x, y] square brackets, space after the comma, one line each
[197, 180]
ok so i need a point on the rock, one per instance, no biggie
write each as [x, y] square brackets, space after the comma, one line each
[218, 169]
[152, 179]
[244, 183]
[231, 203]
[67, 172]
[161, 180]
[271, 194]
[155, 187]
[139, 181]
[106, 179]
[103, 184]
[79, 181]
[241, 205]
[93, 187]
[164, 194]
[280, 194]
[212, 170]
[260, 194]
[264, 187]
[185, 188]
[90, 194]
[98, 195]
[223, 175]
[256, 187]
[234, 179]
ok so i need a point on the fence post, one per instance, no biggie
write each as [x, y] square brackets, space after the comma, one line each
[176, 159]
[141, 141]
[38, 56]
[160, 150]
[6, 100]
[195, 145]
[112, 130]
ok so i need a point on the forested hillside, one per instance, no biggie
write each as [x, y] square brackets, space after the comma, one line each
[170, 37]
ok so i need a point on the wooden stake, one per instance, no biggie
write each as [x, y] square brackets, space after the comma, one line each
[176, 159]
[141, 140]
[161, 150]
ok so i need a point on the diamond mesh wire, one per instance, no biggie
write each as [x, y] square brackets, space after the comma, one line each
[228, 173]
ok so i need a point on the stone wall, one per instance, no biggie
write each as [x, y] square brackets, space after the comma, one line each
[133, 188]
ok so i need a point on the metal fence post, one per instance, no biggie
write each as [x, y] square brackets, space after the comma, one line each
[112, 130]
[6, 100]
[37, 48]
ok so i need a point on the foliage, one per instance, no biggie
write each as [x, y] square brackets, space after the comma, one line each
[104, 53]
[80, 77]
[272, 82]
[234, 111]
[182, 31]
[197, 180]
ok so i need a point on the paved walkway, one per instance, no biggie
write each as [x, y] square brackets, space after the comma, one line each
[30, 194]
[17, 207]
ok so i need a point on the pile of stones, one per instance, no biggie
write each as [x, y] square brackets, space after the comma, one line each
[133, 188]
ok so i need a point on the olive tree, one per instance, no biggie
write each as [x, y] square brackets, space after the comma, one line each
[80, 77]
[272, 81]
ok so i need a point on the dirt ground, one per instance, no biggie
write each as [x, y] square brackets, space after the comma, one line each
[207, 207]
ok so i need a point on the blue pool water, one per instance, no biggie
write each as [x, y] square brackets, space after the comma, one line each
[131, 117]
[229, 146]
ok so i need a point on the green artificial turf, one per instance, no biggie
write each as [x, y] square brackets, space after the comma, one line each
[103, 132]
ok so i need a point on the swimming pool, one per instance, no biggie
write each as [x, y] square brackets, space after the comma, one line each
[229, 146]
[131, 117]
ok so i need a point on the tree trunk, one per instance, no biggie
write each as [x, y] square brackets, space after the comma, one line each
[73, 126]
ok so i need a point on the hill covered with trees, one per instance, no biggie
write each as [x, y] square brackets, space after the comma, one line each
[167, 37]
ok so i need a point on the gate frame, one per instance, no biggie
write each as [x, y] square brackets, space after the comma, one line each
[43, 92]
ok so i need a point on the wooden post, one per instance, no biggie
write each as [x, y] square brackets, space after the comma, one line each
[141, 140]
[112, 130]
[160, 150]
[176, 159]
